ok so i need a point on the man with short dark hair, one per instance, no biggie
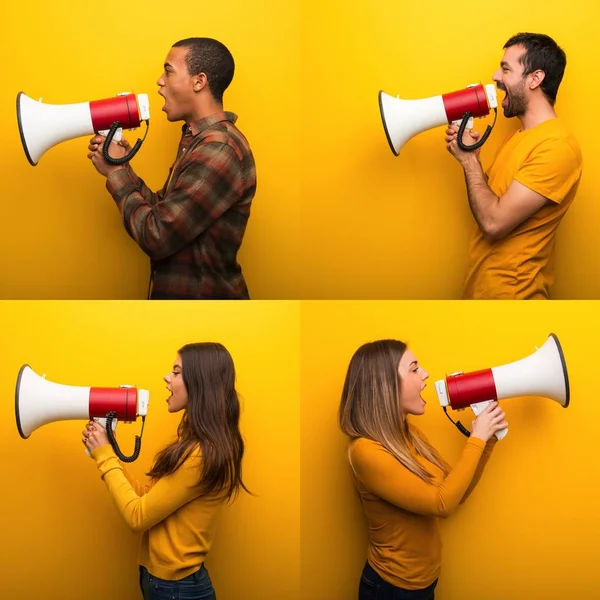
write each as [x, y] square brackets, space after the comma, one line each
[519, 202]
[193, 227]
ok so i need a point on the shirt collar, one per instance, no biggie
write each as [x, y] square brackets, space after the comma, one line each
[199, 126]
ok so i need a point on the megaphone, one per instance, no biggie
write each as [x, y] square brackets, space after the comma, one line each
[543, 374]
[44, 125]
[39, 402]
[403, 119]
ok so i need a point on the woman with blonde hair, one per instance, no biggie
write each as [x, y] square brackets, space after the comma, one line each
[190, 480]
[403, 482]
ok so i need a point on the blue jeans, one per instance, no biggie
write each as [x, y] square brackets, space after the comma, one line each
[196, 586]
[373, 587]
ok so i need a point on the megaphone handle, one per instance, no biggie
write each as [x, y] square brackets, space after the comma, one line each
[116, 138]
[479, 407]
[470, 123]
[102, 421]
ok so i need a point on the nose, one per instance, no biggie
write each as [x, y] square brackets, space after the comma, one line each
[167, 378]
[497, 76]
[425, 375]
[160, 81]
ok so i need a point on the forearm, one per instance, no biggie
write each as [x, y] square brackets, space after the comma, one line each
[482, 201]
[487, 453]
[139, 487]
[124, 181]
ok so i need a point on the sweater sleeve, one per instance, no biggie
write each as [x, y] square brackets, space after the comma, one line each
[168, 494]
[139, 487]
[487, 453]
[387, 478]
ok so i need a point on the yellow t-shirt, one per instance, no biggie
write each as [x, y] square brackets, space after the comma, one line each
[402, 510]
[176, 522]
[547, 160]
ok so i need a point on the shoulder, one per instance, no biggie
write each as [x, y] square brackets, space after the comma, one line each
[226, 138]
[363, 451]
[552, 138]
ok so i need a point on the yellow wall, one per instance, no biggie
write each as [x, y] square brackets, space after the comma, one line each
[387, 227]
[61, 535]
[531, 527]
[65, 238]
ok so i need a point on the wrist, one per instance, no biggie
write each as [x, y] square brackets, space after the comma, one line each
[470, 161]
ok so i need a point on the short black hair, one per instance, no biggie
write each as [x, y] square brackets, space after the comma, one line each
[211, 57]
[543, 53]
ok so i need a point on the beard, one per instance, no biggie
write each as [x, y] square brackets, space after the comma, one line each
[517, 100]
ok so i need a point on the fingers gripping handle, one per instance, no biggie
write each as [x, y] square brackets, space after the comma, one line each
[479, 407]
[102, 421]
[470, 123]
[118, 134]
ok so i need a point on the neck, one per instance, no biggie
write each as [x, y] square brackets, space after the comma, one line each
[204, 109]
[538, 111]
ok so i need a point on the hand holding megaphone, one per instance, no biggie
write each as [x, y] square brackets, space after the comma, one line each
[490, 422]
[42, 126]
[102, 422]
[543, 373]
[39, 402]
[403, 119]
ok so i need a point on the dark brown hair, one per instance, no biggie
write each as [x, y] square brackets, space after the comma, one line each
[210, 421]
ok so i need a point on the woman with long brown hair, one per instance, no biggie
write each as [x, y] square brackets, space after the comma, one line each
[190, 480]
[403, 482]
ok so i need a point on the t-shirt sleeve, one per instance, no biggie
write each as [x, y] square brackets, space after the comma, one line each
[551, 169]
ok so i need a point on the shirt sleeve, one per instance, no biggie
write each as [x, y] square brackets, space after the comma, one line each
[209, 184]
[387, 478]
[551, 169]
[123, 182]
[167, 495]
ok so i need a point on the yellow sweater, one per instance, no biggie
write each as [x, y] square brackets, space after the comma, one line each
[402, 510]
[176, 522]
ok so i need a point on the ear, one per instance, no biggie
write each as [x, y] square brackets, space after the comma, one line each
[199, 82]
[536, 79]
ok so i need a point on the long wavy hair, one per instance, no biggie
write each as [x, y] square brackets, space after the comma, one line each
[370, 407]
[210, 421]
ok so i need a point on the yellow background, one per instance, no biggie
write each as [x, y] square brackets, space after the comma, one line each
[530, 529]
[61, 535]
[62, 234]
[398, 227]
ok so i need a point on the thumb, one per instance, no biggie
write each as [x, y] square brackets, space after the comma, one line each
[475, 134]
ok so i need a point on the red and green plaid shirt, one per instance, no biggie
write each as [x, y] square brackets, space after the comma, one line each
[193, 227]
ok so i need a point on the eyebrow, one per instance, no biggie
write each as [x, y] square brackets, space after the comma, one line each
[167, 65]
[505, 64]
[414, 362]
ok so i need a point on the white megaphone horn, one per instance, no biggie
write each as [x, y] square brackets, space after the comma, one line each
[44, 125]
[403, 119]
[39, 402]
[542, 374]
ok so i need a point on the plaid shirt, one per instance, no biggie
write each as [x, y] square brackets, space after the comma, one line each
[193, 227]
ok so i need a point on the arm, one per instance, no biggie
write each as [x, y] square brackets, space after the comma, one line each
[388, 479]
[139, 487]
[497, 217]
[209, 184]
[122, 182]
[487, 453]
[165, 497]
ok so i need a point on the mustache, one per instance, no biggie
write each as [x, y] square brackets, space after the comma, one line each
[501, 87]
